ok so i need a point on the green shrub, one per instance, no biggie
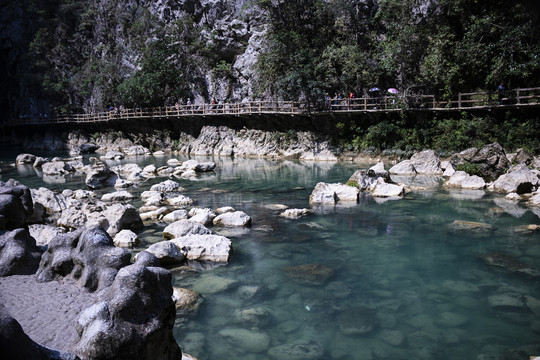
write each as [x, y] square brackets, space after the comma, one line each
[469, 168]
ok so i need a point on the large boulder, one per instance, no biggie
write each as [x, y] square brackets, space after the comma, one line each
[406, 167]
[101, 176]
[383, 189]
[167, 252]
[325, 193]
[19, 254]
[122, 216]
[136, 150]
[167, 186]
[56, 168]
[86, 255]
[490, 161]
[185, 227]
[460, 179]
[365, 180]
[132, 319]
[233, 219]
[518, 180]
[205, 247]
[426, 162]
[15, 344]
[15, 204]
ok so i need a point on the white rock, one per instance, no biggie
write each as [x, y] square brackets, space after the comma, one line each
[203, 216]
[205, 247]
[233, 219]
[184, 227]
[180, 200]
[325, 193]
[382, 189]
[295, 213]
[225, 209]
[174, 162]
[426, 162]
[519, 181]
[154, 214]
[126, 238]
[155, 198]
[44, 233]
[167, 186]
[406, 167]
[175, 216]
[117, 196]
[461, 179]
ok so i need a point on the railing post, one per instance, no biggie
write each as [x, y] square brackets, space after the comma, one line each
[518, 90]
[434, 102]
[459, 101]
[365, 103]
[259, 106]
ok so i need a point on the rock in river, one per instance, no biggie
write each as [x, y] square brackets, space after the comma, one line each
[310, 274]
[510, 264]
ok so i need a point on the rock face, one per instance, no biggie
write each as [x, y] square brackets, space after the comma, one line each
[19, 254]
[86, 255]
[15, 344]
[491, 160]
[15, 205]
[116, 327]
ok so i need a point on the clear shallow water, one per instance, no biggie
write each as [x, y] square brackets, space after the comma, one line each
[415, 288]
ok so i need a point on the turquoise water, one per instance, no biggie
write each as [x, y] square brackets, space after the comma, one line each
[397, 283]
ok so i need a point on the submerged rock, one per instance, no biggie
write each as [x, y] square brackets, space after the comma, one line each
[311, 350]
[510, 264]
[357, 320]
[252, 341]
[310, 274]
[470, 227]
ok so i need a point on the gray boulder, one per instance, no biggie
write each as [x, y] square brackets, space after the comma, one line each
[520, 180]
[167, 186]
[126, 239]
[100, 176]
[86, 255]
[325, 193]
[19, 254]
[147, 259]
[233, 219]
[383, 189]
[491, 160]
[406, 167]
[136, 150]
[15, 204]
[56, 168]
[365, 180]
[122, 216]
[427, 162]
[205, 247]
[460, 179]
[184, 227]
[15, 344]
[167, 252]
[133, 318]
[311, 350]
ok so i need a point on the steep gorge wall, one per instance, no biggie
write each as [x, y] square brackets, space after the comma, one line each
[94, 46]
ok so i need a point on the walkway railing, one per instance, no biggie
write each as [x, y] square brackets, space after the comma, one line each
[398, 102]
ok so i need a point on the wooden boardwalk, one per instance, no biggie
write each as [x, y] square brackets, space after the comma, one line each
[516, 98]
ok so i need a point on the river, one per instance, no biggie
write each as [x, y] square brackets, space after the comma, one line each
[392, 279]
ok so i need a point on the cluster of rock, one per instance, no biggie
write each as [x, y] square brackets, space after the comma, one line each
[424, 170]
[116, 326]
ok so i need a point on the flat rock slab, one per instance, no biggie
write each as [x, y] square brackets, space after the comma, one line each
[47, 311]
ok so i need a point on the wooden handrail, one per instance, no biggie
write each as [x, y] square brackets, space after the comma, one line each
[484, 99]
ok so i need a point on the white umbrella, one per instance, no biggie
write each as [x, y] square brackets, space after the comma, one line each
[393, 91]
